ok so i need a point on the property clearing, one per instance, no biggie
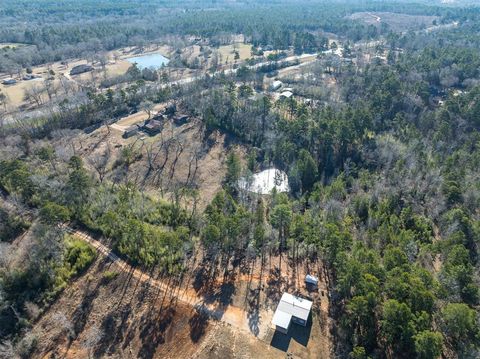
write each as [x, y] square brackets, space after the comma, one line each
[396, 21]
[227, 52]
[245, 324]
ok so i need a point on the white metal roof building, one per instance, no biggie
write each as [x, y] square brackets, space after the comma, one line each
[310, 279]
[276, 85]
[286, 94]
[291, 308]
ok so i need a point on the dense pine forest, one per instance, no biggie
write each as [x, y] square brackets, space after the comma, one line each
[381, 151]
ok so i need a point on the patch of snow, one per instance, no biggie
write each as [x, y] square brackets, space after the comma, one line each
[264, 182]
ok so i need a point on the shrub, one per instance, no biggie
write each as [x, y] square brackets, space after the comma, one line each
[78, 257]
[109, 275]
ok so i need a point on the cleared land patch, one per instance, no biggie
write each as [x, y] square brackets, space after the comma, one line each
[228, 52]
[396, 22]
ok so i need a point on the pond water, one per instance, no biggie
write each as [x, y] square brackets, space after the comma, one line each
[146, 61]
[263, 182]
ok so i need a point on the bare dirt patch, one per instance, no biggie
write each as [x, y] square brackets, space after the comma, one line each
[396, 21]
[117, 318]
[178, 157]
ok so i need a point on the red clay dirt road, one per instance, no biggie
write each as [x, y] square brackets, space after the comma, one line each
[232, 315]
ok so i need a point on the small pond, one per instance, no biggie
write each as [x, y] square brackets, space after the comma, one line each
[264, 182]
[147, 61]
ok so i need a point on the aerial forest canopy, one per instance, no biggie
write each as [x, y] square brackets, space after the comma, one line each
[140, 180]
[72, 29]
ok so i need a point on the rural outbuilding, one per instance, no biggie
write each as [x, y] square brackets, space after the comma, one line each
[80, 69]
[312, 280]
[153, 127]
[180, 119]
[291, 309]
[276, 85]
[130, 131]
[9, 82]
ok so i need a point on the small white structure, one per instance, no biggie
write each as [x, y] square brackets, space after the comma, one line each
[291, 309]
[286, 94]
[310, 279]
[276, 85]
[9, 82]
[264, 182]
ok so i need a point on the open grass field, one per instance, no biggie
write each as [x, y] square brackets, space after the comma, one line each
[117, 65]
[228, 52]
[15, 93]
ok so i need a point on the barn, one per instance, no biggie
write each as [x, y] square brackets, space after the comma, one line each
[291, 309]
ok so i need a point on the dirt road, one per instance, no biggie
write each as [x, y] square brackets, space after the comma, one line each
[230, 314]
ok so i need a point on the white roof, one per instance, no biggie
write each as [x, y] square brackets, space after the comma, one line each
[286, 94]
[277, 83]
[281, 319]
[291, 306]
[311, 279]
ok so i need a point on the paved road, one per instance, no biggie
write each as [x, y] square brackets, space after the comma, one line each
[43, 110]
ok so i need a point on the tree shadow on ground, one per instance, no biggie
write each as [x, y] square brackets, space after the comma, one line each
[114, 326]
[198, 324]
[225, 294]
[153, 330]
[82, 312]
[275, 284]
[253, 310]
[143, 293]
[200, 278]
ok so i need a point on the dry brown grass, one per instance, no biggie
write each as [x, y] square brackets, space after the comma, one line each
[228, 55]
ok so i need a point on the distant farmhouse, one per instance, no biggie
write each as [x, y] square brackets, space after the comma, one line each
[291, 309]
[80, 69]
[153, 127]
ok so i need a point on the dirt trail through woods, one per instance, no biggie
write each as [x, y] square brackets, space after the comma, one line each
[232, 315]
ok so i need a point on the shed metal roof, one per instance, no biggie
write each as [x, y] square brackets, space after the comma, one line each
[295, 306]
[291, 306]
[311, 279]
[281, 319]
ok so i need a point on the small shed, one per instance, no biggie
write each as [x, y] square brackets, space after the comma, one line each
[130, 131]
[312, 280]
[158, 117]
[286, 94]
[9, 82]
[180, 119]
[29, 77]
[276, 85]
[80, 69]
